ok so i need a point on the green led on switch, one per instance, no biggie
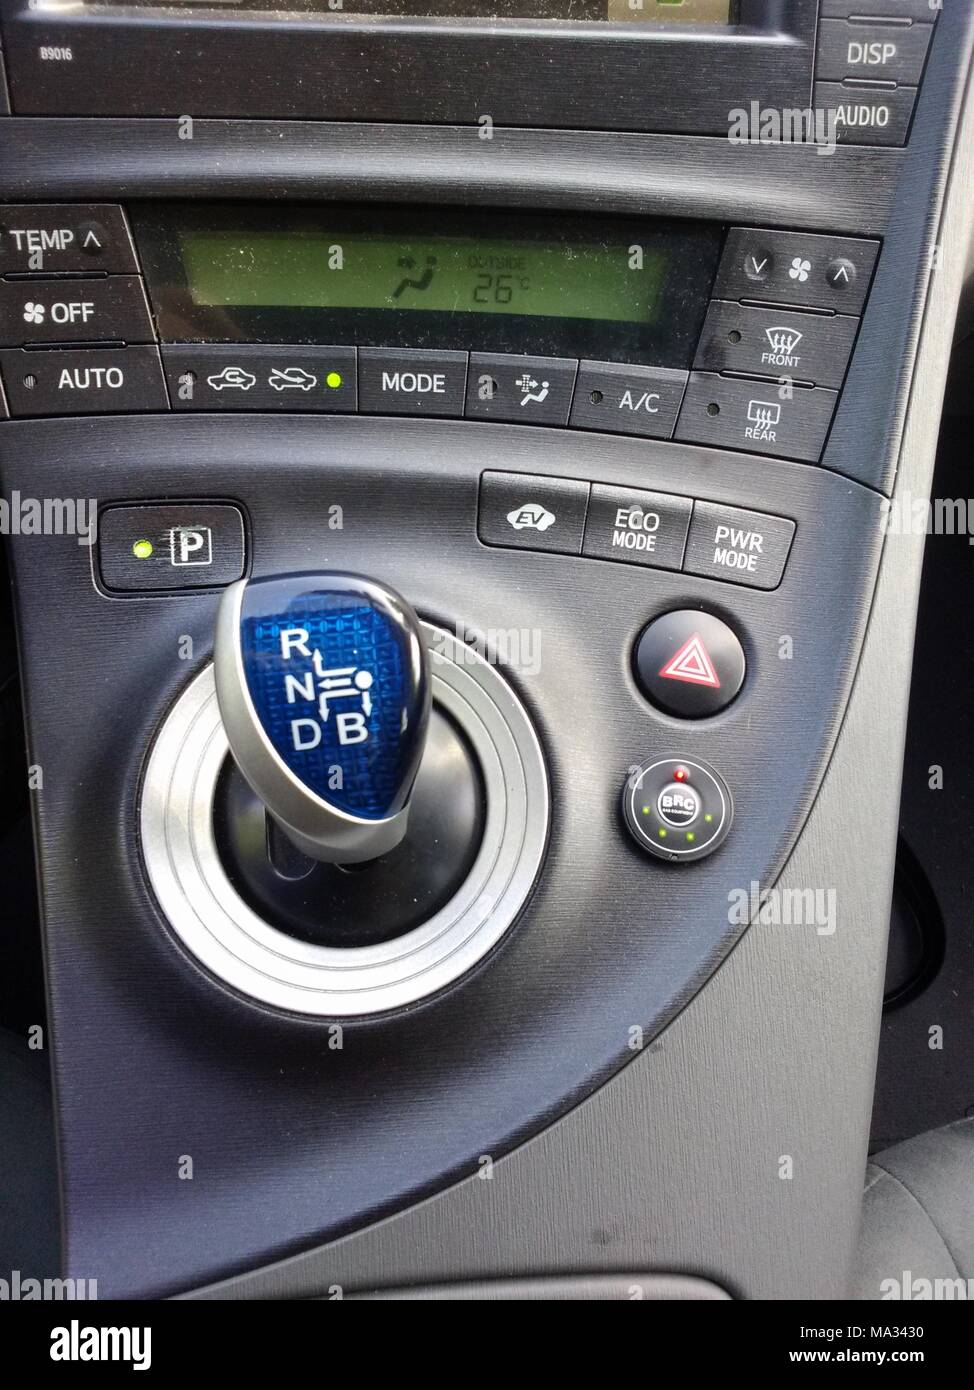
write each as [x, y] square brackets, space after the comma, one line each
[142, 549]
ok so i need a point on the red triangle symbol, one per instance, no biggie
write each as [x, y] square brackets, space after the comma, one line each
[692, 664]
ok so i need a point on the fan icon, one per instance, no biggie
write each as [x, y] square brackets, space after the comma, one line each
[33, 313]
[799, 269]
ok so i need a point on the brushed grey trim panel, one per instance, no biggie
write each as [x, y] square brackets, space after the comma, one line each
[675, 175]
[596, 1288]
[674, 1163]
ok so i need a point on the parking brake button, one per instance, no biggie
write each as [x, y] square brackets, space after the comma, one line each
[170, 546]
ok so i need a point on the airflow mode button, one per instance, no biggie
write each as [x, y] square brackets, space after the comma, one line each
[411, 381]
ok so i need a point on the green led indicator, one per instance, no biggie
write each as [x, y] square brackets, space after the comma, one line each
[334, 380]
[142, 550]
[662, 833]
[645, 810]
[690, 837]
[708, 818]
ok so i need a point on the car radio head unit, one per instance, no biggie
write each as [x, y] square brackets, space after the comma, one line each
[571, 11]
[674, 66]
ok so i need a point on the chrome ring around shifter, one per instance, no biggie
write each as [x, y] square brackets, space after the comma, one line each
[226, 936]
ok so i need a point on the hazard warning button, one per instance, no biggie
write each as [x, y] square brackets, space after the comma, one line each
[689, 663]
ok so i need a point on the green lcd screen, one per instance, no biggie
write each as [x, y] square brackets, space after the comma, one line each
[447, 275]
[487, 280]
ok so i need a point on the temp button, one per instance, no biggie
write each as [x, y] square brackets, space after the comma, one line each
[411, 382]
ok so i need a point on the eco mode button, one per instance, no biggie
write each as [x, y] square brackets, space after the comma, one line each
[411, 382]
[532, 513]
[86, 381]
[641, 528]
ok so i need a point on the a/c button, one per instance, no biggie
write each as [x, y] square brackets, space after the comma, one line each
[621, 399]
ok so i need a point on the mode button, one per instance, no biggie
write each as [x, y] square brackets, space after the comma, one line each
[411, 382]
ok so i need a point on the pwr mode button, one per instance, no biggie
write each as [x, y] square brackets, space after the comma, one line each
[86, 381]
[738, 546]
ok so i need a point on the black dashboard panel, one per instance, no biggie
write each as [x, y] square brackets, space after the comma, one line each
[301, 1143]
[723, 444]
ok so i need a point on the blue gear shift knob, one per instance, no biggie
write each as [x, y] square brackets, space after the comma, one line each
[323, 686]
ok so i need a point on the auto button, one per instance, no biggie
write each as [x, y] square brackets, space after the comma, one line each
[83, 381]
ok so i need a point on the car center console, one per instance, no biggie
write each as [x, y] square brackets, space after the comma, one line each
[585, 333]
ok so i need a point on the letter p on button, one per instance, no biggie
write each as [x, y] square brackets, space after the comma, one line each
[191, 545]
